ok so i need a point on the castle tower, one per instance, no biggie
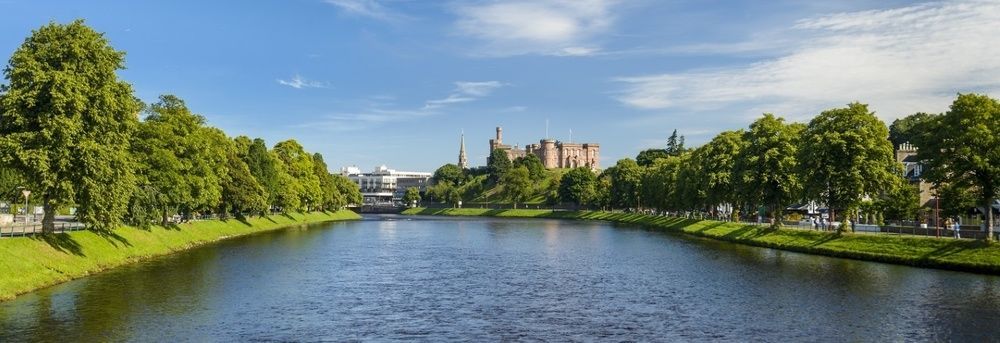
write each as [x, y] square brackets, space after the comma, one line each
[463, 162]
[499, 135]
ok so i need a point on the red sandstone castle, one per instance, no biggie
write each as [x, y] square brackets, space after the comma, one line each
[554, 154]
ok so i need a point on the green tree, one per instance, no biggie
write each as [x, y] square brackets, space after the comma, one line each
[577, 186]
[330, 196]
[648, 156]
[289, 191]
[661, 184]
[717, 160]
[10, 185]
[903, 130]
[299, 165]
[517, 185]
[900, 202]
[961, 149]
[845, 157]
[534, 165]
[264, 169]
[450, 173]
[412, 196]
[675, 144]
[240, 191]
[65, 123]
[350, 192]
[766, 167]
[626, 178]
[180, 162]
[498, 163]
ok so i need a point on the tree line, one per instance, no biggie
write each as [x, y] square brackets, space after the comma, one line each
[843, 159]
[71, 132]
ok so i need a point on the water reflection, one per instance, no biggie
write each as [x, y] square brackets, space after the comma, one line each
[486, 279]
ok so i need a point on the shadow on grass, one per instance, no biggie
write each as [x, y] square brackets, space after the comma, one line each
[747, 232]
[954, 247]
[62, 242]
[826, 239]
[113, 238]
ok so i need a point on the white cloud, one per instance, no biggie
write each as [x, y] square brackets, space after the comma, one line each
[899, 60]
[466, 91]
[366, 8]
[382, 109]
[299, 82]
[549, 27]
[478, 89]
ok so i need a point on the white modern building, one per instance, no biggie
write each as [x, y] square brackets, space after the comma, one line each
[384, 186]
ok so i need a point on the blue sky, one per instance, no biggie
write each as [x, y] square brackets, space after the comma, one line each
[368, 82]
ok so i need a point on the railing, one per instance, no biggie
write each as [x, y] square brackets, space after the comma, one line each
[20, 230]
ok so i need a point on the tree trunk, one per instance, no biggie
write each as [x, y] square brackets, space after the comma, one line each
[989, 219]
[49, 218]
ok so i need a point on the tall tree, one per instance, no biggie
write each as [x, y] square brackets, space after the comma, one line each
[766, 167]
[329, 194]
[961, 150]
[675, 144]
[240, 191]
[718, 160]
[660, 184]
[180, 162]
[648, 156]
[264, 169]
[534, 165]
[65, 123]
[449, 173]
[498, 163]
[412, 196]
[517, 185]
[626, 178]
[904, 130]
[350, 193]
[846, 157]
[299, 165]
[577, 186]
[288, 190]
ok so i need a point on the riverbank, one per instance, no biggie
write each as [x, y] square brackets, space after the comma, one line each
[31, 263]
[962, 255]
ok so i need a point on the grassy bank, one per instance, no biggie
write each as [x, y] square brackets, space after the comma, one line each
[963, 255]
[30, 263]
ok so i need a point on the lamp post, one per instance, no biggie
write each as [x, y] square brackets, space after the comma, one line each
[26, 193]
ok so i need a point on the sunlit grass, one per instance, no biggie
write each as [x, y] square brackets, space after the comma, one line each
[966, 255]
[29, 263]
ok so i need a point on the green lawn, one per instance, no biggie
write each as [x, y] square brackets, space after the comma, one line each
[964, 255]
[30, 263]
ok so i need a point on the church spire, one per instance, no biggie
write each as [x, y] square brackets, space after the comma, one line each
[463, 162]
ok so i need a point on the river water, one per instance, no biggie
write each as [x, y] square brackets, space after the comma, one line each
[482, 279]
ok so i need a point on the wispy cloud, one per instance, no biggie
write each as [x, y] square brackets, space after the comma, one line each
[548, 27]
[299, 82]
[900, 60]
[365, 8]
[382, 109]
[465, 91]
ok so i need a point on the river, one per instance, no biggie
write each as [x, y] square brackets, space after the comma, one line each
[483, 279]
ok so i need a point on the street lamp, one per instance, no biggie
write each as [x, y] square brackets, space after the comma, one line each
[26, 193]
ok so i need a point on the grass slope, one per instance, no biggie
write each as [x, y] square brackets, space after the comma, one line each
[30, 263]
[963, 255]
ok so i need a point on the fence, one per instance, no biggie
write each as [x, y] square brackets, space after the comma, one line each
[18, 230]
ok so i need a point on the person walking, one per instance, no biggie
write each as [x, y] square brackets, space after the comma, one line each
[957, 229]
